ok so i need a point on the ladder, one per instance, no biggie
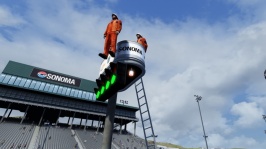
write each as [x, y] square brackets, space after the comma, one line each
[145, 115]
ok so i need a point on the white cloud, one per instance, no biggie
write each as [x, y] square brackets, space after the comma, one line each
[247, 3]
[183, 59]
[200, 61]
[260, 100]
[253, 10]
[7, 18]
[249, 114]
[216, 140]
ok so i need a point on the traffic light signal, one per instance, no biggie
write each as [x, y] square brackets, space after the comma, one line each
[118, 77]
[109, 82]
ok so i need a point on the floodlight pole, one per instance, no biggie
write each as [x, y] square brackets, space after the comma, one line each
[265, 74]
[198, 98]
[264, 117]
[109, 123]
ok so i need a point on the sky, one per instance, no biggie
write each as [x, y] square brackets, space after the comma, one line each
[211, 48]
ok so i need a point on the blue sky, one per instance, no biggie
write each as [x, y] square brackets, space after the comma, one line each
[211, 11]
[213, 48]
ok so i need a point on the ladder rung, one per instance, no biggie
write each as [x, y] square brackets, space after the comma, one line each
[142, 105]
[147, 128]
[141, 97]
[144, 112]
[149, 136]
[146, 119]
[139, 90]
[138, 84]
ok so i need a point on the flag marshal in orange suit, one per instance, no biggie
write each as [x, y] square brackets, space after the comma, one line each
[141, 40]
[110, 35]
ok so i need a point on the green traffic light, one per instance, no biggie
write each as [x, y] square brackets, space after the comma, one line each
[113, 79]
[102, 90]
[107, 85]
[98, 94]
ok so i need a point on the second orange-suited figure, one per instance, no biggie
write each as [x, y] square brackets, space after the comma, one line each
[110, 35]
[141, 40]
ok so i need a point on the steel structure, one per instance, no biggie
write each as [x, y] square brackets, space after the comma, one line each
[132, 54]
[145, 115]
[198, 98]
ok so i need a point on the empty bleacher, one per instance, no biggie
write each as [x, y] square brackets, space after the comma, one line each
[55, 138]
[126, 140]
[90, 138]
[14, 135]
[18, 136]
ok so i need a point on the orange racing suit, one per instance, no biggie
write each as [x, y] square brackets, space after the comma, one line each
[110, 34]
[143, 42]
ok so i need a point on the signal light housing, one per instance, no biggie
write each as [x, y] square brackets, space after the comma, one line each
[115, 78]
[107, 82]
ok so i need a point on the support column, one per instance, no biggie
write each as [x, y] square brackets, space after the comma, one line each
[9, 113]
[72, 120]
[80, 122]
[134, 129]
[98, 125]
[41, 116]
[120, 130]
[86, 122]
[91, 123]
[25, 114]
[109, 123]
[5, 112]
[125, 128]
[68, 120]
[121, 124]
[58, 118]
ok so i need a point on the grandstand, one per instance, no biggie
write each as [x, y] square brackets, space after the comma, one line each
[15, 135]
[45, 96]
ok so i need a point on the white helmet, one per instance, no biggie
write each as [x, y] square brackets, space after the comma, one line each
[138, 34]
[113, 14]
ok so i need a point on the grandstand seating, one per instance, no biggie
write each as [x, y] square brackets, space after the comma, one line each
[15, 135]
[56, 138]
[126, 140]
[90, 138]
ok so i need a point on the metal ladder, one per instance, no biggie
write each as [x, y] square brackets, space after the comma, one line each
[145, 114]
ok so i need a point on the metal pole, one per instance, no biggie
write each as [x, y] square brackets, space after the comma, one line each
[198, 98]
[25, 114]
[264, 116]
[9, 113]
[72, 120]
[98, 125]
[58, 117]
[134, 129]
[68, 120]
[121, 124]
[109, 123]
[265, 74]
[5, 112]
[41, 116]
[125, 127]
[80, 122]
[86, 122]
